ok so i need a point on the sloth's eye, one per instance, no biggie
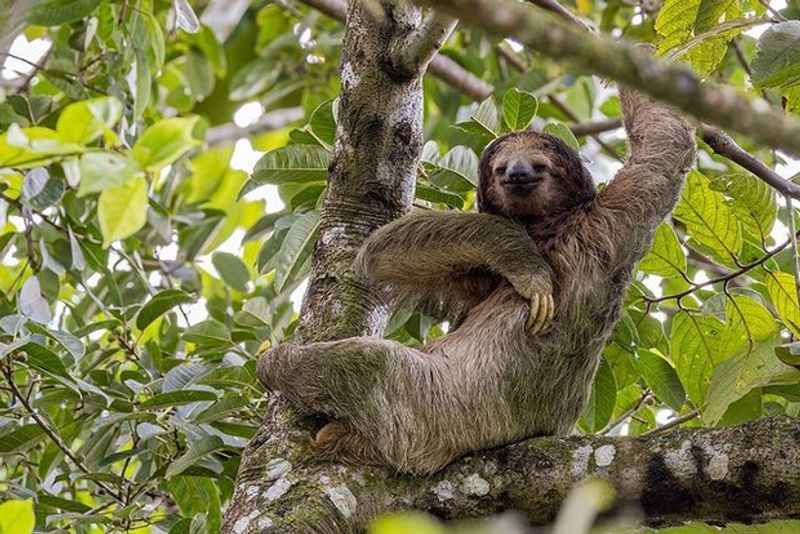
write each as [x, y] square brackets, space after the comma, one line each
[539, 168]
[500, 170]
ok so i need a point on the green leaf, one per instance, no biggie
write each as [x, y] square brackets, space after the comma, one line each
[434, 194]
[232, 270]
[296, 249]
[323, 122]
[694, 349]
[661, 377]
[457, 170]
[103, 170]
[777, 63]
[519, 109]
[196, 496]
[177, 398]
[122, 210]
[562, 131]
[32, 147]
[487, 117]
[602, 399]
[255, 78]
[666, 257]
[782, 290]
[221, 408]
[294, 163]
[735, 378]
[710, 221]
[754, 203]
[161, 303]
[59, 12]
[21, 438]
[83, 122]
[164, 142]
[196, 451]
[16, 517]
[208, 333]
[675, 22]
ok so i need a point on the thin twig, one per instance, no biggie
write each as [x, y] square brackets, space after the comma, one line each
[726, 278]
[673, 423]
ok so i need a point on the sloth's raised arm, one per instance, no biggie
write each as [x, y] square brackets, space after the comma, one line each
[644, 191]
[428, 251]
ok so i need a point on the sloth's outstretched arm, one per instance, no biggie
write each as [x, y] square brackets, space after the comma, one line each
[430, 252]
[644, 191]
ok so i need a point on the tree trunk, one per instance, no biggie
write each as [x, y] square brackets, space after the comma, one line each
[370, 182]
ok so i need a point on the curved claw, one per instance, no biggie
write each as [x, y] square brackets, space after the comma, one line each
[542, 311]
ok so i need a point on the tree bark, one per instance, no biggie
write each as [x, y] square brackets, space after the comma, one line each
[744, 474]
[370, 182]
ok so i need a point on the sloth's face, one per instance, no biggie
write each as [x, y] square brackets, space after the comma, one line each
[527, 180]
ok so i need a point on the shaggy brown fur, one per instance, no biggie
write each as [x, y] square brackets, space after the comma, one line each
[492, 381]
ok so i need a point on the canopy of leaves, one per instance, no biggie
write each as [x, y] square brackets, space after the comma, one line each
[146, 256]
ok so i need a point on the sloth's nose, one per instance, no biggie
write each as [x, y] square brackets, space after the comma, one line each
[520, 172]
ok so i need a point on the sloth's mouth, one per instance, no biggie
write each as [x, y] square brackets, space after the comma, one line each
[521, 186]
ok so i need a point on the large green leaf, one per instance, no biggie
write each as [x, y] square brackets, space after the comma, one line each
[754, 203]
[457, 170]
[122, 210]
[710, 221]
[661, 377]
[735, 378]
[602, 399]
[17, 517]
[82, 122]
[666, 257]
[21, 439]
[232, 270]
[695, 351]
[782, 290]
[161, 303]
[519, 109]
[58, 12]
[777, 63]
[294, 163]
[103, 170]
[164, 142]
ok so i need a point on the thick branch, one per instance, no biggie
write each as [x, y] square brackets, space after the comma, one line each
[414, 53]
[724, 145]
[554, 7]
[441, 66]
[749, 473]
[612, 59]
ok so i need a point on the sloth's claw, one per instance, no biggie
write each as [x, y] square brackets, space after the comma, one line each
[542, 311]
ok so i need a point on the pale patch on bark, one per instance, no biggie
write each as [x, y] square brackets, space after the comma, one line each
[718, 466]
[343, 499]
[580, 461]
[444, 490]
[241, 525]
[680, 462]
[475, 485]
[604, 455]
[278, 489]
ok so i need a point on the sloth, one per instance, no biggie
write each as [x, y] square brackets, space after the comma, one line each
[533, 285]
